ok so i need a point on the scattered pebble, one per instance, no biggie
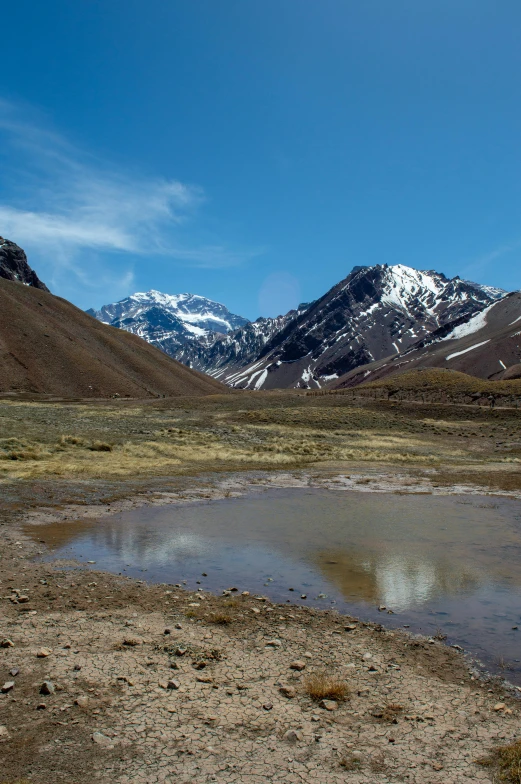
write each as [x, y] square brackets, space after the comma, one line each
[329, 705]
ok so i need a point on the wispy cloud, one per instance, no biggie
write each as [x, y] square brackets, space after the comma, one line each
[57, 198]
[479, 266]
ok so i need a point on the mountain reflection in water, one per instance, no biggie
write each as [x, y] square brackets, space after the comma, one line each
[424, 557]
[396, 580]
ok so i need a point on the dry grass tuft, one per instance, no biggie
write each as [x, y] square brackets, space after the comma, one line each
[72, 441]
[507, 761]
[221, 618]
[100, 446]
[348, 762]
[321, 686]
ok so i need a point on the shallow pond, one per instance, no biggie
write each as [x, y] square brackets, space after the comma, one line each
[446, 564]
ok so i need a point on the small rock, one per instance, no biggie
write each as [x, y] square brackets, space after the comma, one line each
[350, 627]
[4, 732]
[82, 701]
[180, 651]
[7, 644]
[7, 687]
[255, 610]
[356, 755]
[173, 685]
[288, 691]
[308, 655]
[292, 736]
[273, 644]
[329, 705]
[47, 687]
[23, 599]
[204, 679]
[178, 626]
[382, 607]
[14, 672]
[267, 706]
[437, 766]
[43, 653]
[41, 706]
[167, 631]
[102, 740]
[245, 593]
[499, 706]
[367, 656]
[303, 596]
[298, 665]
[77, 667]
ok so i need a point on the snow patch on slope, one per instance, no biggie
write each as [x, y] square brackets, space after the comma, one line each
[466, 350]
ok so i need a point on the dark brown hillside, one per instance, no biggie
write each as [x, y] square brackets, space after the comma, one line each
[48, 346]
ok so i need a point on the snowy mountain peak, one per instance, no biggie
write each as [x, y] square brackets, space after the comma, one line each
[169, 320]
[192, 310]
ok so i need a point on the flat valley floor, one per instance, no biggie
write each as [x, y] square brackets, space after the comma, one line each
[108, 679]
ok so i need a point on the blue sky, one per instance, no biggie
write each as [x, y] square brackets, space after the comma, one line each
[254, 151]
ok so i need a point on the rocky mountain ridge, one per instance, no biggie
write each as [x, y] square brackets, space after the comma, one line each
[486, 345]
[14, 266]
[373, 313]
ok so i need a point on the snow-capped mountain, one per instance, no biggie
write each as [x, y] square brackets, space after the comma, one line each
[375, 312]
[169, 320]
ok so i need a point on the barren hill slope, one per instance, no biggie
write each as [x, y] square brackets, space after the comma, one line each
[49, 346]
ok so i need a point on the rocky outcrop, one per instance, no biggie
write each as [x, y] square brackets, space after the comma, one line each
[14, 266]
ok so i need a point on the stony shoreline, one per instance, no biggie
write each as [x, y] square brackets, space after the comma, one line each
[154, 683]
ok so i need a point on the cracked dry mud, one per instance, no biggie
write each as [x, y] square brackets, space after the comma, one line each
[133, 704]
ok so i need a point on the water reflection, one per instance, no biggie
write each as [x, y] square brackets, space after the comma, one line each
[432, 560]
[396, 580]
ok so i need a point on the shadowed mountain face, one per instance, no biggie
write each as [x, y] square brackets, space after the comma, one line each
[14, 266]
[485, 345]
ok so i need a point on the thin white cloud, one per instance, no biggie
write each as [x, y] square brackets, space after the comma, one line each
[479, 266]
[57, 198]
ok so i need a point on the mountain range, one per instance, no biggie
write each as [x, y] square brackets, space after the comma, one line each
[375, 312]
